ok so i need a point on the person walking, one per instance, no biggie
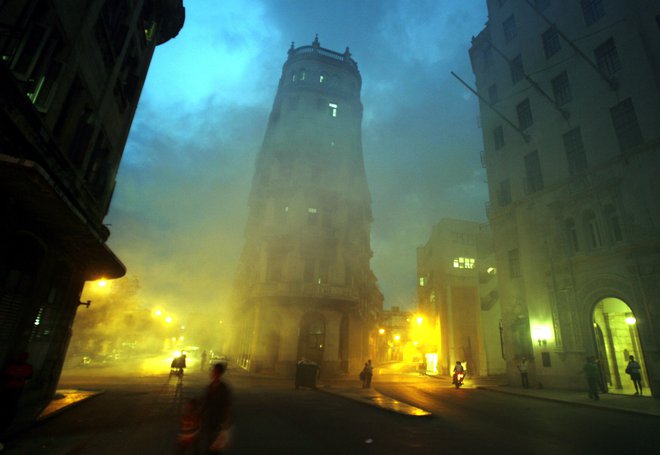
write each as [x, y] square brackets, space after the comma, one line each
[202, 365]
[216, 414]
[368, 374]
[592, 372]
[523, 367]
[634, 369]
[14, 377]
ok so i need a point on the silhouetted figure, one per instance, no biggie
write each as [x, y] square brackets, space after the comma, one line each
[189, 427]
[14, 377]
[592, 372]
[216, 413]
[523, 367]
[634, 369]
[368, 374]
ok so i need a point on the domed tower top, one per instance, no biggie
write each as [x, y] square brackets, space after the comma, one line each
[316, 65]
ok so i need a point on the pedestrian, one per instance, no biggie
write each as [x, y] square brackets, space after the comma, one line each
[216, 414]
[202, 365]
[634, 369]
[523, 367]
[189, 426]
[14, 377]
[592, 372]
[368, 374]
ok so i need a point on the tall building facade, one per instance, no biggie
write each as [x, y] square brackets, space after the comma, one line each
[570, 107]
[70, 78]
[457, 296]
[304, 286]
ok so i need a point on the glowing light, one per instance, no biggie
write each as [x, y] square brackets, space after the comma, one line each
[102, 282]
[397, 337]
[177, 353]
[381, 331]
[180, 338]
[420, 320]
[491, 270]
[415, 343]
[630, 320]
[158, 312]
[168, 319]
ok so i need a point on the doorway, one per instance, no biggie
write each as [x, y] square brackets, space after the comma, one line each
[616, 336]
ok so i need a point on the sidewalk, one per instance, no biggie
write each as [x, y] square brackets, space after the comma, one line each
[622, 403]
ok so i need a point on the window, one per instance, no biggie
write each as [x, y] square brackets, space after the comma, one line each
[312, 216]
[607, 58]
[593, 231]
[321, 78]
[575, 155]
[562, 89]
[510, 29]
[332, 109]
[533, 172]
[517, 69]
[294, 77]
[571, 234]
[514, 263]
[525, 119]
[613, 223]
[421, 281]
[492, 94]
[625, 124]
[551, 44]
[302, 74]
[498, 137]
[592, 10]
[504, 195]
[463, 263]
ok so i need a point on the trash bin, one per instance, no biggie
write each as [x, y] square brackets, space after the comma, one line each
[306, 374]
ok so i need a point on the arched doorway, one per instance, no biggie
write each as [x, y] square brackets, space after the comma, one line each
[616, 336]
[311, 341]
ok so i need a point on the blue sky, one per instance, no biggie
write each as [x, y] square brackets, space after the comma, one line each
[180, 205]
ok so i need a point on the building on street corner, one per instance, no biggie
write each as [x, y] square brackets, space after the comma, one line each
[570, 106]
[71, 74]
[458, 297]
[304, 287]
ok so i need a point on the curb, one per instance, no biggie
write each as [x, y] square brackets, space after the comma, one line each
[372, 401]
[574, 403]
[46, 414]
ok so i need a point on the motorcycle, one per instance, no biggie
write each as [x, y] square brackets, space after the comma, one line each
[458, 378]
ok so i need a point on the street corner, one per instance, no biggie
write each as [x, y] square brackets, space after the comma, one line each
[66, 398]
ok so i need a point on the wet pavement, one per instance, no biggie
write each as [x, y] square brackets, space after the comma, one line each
[352, 390]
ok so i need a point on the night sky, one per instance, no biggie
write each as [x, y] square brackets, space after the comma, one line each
[180, 205]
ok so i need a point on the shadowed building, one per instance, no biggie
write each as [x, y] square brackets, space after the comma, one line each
[304, 286]
[570, 107]
[70, 78]
[457, 296]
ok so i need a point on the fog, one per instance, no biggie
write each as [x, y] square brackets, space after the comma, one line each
[180, 204]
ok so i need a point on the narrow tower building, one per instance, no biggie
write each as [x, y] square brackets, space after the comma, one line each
[304, 286]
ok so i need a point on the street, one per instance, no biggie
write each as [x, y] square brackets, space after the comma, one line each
[139, 416]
